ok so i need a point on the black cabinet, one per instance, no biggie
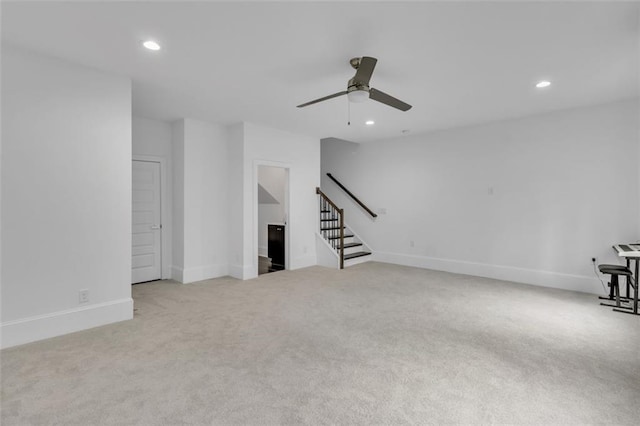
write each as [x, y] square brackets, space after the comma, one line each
[276, 247]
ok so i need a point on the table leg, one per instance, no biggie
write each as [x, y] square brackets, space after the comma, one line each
[628, 280]
[635, 293]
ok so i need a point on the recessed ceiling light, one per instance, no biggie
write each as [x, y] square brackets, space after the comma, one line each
[543, 83]
[151, 45]
[369, 122]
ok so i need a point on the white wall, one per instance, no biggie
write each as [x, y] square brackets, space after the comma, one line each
[301, 155]
[215, 197]
[200, 188]
[235, 200]
[152, 137]
[529, 200]
[272, 180]
[177, 211]
[66, 197]
[152, 141]
[252, 145]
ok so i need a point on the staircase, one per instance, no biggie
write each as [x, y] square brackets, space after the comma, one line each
[348, 247]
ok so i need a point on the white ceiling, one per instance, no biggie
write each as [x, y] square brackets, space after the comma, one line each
[457, 63]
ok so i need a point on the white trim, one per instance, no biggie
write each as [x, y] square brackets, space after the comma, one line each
[365, 246]
[326, 255]
[506, 273]
[26, 330]
[176, 273]
[287, 236]
[165, 214]
[242, 272]
[200, 273]
[356, 261]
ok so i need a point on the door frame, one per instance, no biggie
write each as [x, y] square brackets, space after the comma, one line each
[165, 249]
[287, 229]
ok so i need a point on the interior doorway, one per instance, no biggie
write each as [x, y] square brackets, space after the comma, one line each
[273, 213]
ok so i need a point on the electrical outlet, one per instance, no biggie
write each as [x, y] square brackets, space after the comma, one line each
[83, 296]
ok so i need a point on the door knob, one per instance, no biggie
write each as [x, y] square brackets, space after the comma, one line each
[156, 226]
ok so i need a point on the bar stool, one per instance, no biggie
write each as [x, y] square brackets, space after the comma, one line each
[615, 271]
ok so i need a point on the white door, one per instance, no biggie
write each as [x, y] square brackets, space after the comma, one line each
[147, 228]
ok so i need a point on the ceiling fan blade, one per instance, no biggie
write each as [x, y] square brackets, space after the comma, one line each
[335, 95]
[365, 70]
[379, 96]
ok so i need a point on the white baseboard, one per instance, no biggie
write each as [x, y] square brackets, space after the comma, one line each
[558, 280]
[242, 272]
[200, 273]
[26, 330]
[176, 273]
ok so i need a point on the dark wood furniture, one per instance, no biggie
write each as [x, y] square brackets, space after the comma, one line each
[276, 247]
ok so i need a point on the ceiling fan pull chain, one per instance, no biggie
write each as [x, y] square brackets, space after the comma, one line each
[348, 112]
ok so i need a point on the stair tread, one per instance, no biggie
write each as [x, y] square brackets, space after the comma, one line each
[332, 228]
[356, 254]
[329, 220]
[336, 238]
[349, 245]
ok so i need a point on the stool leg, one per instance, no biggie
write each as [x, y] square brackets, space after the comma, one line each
[615, 292]
[611, 294]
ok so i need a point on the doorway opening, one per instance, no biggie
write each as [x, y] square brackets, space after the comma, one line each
[273, 211]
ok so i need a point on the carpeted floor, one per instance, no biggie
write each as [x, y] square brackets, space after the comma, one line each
[373, 344]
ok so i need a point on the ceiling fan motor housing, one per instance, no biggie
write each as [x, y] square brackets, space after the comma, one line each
[355, 85]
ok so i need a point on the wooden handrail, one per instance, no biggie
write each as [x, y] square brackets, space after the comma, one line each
[368, 210]
[340, 212]
[319, 191]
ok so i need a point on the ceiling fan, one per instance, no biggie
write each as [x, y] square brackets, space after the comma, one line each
[358, 89]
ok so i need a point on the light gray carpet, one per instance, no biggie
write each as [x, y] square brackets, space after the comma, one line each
[373, 344]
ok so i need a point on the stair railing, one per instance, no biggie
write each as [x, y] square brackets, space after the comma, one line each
[350, 194]
[332, 224]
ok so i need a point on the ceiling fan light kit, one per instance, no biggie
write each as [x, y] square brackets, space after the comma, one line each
[358, 96]
[358, 89]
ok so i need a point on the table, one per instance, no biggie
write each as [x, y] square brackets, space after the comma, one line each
[630, 252]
